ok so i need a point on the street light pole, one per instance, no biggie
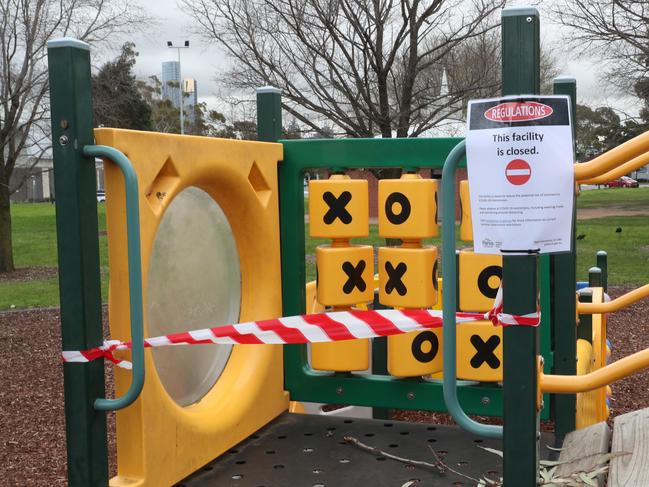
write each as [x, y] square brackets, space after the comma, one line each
[180, 85]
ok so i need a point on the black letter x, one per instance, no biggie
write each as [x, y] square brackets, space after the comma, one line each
[354, 276]
[337, 207]
[394, 278]
[485, 351]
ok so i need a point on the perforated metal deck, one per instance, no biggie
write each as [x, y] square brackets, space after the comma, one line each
[299, 450]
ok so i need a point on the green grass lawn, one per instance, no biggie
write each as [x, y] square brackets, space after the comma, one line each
[34, 240]
[625, 198]
[34, 233]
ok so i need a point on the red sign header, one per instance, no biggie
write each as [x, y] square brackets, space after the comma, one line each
[514, 111]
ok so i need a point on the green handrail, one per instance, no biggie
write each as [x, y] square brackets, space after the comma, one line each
[134, 275]
[449, 299]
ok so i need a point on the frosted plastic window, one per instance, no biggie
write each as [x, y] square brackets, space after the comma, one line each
[194, 281]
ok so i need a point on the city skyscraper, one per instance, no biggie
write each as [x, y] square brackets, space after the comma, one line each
[191, 92]
[170, 82]
[191, 97]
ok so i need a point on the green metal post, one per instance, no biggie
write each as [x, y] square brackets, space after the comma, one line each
[78, 252]
[520, 75]
[563, 277]
[594, 277]
[602, 263]
[269, 114]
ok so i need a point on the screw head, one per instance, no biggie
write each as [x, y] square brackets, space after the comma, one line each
[528, 19]
[485, 401]
[63, 140]
[410, 396]
[339, 391]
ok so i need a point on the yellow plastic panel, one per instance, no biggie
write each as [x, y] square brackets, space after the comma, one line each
[466, 224]
[408, 208]
[588, 411]
[480, 276]
[480, 352]
[160, 442]
[408, 277]
[338, 208]
[345, 274]
[415, 354]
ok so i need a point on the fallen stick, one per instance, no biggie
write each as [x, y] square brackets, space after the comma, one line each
[375, 451]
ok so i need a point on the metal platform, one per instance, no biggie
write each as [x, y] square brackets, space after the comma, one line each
[298, 450]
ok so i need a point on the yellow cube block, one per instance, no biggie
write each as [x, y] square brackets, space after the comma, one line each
[345, 274]
[466, 224]
[347, 356]
[338, 208]
[408, 208]
[415, 354]
[408, 277]
[480, 352]
[480, 276]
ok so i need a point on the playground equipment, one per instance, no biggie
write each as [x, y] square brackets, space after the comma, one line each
[209, 231]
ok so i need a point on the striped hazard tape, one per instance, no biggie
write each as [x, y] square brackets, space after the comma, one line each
[309, 328]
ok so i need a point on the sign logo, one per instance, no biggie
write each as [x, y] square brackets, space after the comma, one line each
[518, 172]
[516, 111]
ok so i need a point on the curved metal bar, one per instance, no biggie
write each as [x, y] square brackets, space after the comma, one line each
[134, 275]
[618, 171]
[629, 153]
[615, 304]
[449, 269]
[569, 384]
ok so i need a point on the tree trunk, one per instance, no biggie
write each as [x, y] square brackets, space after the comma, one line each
[6, 248]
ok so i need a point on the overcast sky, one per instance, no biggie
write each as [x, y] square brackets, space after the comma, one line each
[204, 62]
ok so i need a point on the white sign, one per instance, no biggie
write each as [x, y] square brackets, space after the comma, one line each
[521, 177]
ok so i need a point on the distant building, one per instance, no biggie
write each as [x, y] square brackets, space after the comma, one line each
[32, 179]
[191, 92]
[170, 82]
[190, 87]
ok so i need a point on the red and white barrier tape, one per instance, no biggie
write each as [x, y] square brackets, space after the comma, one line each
[310, 328]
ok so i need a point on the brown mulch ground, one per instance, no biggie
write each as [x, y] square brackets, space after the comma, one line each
[29, 274]
[32, 435]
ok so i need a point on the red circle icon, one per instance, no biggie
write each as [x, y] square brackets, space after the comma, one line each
[518, 172]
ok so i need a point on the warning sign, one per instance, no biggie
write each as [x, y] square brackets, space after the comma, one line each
[518, 172]
[521, 176]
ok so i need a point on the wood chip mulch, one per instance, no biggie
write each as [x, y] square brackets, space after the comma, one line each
[32, 430]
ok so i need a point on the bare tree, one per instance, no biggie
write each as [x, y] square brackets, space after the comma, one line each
[25, 28]
[369, 67]
[615, 32]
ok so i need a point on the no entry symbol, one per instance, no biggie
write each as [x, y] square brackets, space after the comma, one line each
[518, 172]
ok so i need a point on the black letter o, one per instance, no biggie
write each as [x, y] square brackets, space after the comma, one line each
[418, 353]
[402, 216]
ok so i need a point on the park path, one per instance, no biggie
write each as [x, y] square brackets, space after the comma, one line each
[590, 213]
